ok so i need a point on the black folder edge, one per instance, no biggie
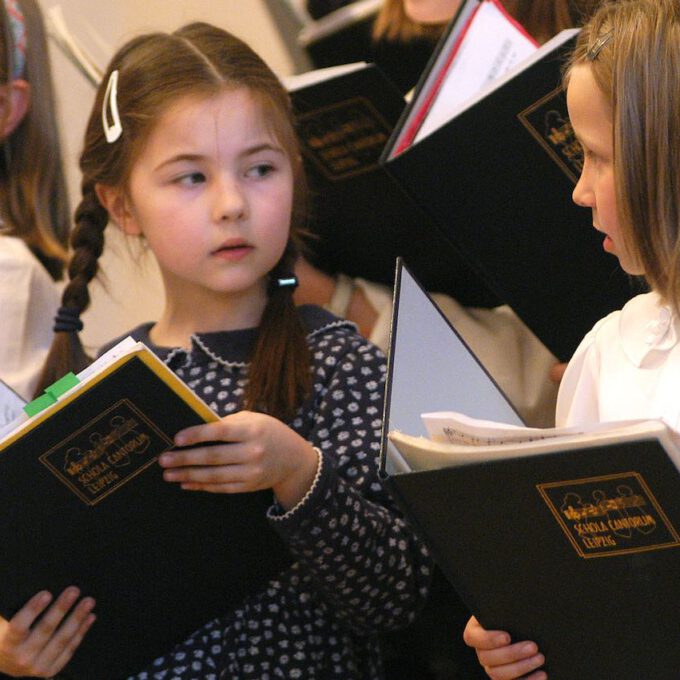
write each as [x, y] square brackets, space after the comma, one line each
[456, 26]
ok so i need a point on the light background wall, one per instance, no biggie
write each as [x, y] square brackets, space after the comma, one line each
[129, 291]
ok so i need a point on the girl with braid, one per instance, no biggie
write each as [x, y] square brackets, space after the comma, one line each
[191, 147]
[34, 212]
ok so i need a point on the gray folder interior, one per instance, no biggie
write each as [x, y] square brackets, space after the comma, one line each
[10, 405]
[432, 369]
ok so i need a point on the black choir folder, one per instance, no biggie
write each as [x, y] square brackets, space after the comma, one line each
[495, 172]
[361, 216]
[573, 542]
[84, 503]
[340, 35]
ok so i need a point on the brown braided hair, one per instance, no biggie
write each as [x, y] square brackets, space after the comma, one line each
[155, 71]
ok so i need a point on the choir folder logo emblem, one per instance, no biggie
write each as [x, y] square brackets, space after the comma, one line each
[609, 515]
[107, 452]
[344, 140]
[547, 120]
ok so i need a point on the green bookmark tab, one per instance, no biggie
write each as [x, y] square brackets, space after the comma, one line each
[39, 404]
[51, 394]
[64, 384]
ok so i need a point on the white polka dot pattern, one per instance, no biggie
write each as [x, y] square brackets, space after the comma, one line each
[358, 567]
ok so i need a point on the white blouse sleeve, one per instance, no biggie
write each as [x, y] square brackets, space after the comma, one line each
[28, 300]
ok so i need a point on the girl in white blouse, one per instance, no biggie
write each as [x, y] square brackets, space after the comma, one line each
[34, 210]
[623, 93]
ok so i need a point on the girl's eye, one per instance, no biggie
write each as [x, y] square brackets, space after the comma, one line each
[191, 179]
[260, 170]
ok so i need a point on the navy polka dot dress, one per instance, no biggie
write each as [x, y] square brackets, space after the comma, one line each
[358, 569]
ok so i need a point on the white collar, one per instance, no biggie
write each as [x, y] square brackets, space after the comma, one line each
[647, 325]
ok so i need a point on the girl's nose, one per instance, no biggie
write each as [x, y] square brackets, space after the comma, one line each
[581, 194]
[229, 202]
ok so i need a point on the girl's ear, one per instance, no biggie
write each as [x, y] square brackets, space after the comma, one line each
[15, 100]
[115, 200]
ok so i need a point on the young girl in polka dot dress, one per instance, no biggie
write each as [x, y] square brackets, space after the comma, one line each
[191, 146]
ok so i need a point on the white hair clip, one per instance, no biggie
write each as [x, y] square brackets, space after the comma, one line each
[113, 131]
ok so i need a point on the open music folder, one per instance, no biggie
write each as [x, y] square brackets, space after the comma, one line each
[85, 503]
[569, 541]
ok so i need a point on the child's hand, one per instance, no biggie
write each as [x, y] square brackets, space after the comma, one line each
[43, 649]
[500, 659]
[259, 452]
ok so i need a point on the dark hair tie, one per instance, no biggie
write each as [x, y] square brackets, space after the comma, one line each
[67, 320]
[283, 281]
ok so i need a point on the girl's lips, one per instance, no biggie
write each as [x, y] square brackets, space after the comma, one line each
[233, 252]
[607, 243]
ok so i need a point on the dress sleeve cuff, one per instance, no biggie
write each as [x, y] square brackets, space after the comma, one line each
[276, 513]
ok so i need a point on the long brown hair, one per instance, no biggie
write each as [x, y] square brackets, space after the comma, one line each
[633, 50]
[540, 18]
[33, 198]
[155, 71]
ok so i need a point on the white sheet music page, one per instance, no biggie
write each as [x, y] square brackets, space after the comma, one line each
[492, 44]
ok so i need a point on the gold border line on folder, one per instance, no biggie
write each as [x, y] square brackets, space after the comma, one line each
[522, 117]
[151, 361]
[45, 457]
[612, 553]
